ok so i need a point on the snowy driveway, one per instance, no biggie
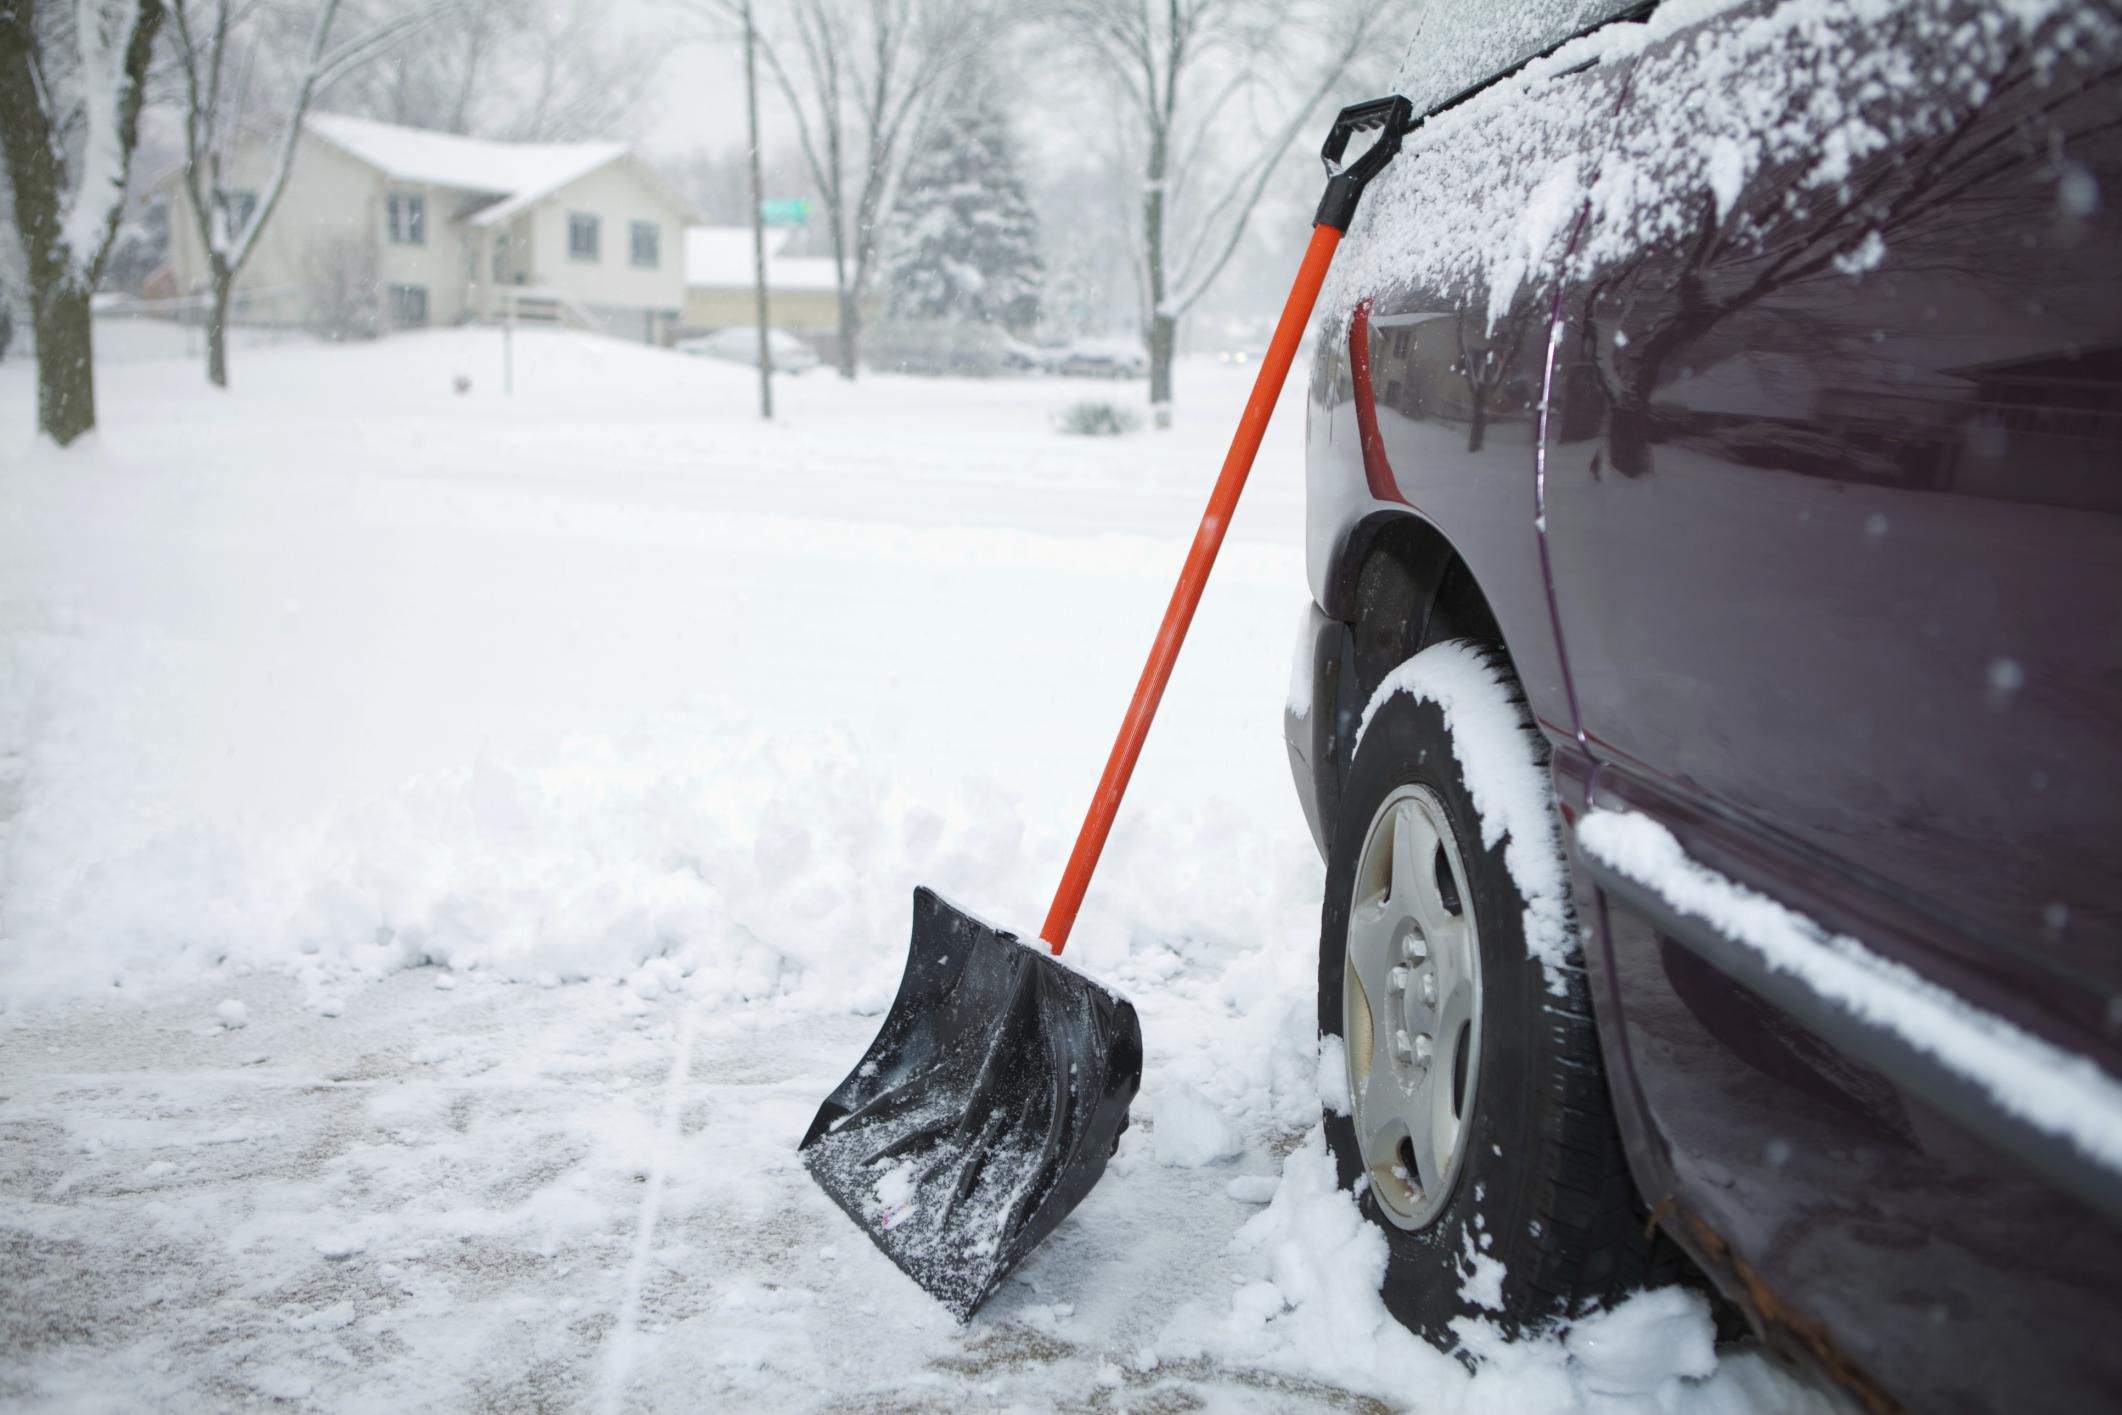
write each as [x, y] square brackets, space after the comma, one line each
[437, 1200]
[541, 783]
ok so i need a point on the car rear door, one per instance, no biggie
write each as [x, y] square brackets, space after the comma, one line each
[1833, 500]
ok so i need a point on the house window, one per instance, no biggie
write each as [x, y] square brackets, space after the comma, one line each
[646, 244]
[581, 236]
[408, 306]
[408, 219]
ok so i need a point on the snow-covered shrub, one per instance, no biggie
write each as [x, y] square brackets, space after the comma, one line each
[1094, 417]
[936, 348]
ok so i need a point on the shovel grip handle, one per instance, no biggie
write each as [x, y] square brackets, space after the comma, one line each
[1193, 577]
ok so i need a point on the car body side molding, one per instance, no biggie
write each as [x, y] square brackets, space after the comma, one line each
[1920, 1073]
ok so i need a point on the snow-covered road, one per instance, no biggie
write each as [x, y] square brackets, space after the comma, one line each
[543, 782]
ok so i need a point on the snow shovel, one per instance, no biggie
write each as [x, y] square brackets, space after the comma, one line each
[999, 1084]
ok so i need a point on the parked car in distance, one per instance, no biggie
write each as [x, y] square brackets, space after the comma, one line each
[739, 344]
[1029, 356]
[1111, 357]
[1710, 708]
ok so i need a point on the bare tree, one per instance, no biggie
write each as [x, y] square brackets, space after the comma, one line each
[523, 69]
[229, 222]
[583, 83]
[445, 83]
[859, 79]
[1185, 72]
[71, 85]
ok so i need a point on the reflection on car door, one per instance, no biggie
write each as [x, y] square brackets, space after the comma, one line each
[1834, 506]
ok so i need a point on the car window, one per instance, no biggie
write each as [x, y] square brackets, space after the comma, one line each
[1459, 43]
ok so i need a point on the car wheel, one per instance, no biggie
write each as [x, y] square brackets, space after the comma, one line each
[1476, 1130]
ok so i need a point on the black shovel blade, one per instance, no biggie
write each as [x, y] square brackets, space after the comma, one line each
[985, 1109]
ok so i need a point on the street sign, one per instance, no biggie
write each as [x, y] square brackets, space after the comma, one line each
[788, 211]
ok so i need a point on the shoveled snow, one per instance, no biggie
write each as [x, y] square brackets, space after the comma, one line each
[1492, 736]
[2063, 1094]
[1307, 1270]
[638, 721]
[1190, 1132]
[1333, 1074]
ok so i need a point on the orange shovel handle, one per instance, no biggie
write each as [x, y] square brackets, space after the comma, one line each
[1193, 577]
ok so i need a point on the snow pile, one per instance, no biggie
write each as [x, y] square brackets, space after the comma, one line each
[2060, 1093]
[1307, 1303]
[1190, 1132]
[1492, 733]
[698, 847]
[526, 703]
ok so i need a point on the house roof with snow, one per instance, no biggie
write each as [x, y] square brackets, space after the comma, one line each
[515, 174]
[720, 258]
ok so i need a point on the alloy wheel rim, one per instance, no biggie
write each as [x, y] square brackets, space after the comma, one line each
[1411, 1007]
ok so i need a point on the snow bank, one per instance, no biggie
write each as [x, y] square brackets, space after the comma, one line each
[611, 675]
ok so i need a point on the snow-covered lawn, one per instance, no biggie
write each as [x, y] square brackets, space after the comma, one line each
[449, 843]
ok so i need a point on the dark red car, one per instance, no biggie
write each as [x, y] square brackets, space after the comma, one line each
[1714, 726]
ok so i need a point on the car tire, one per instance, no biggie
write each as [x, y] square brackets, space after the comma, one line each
[1525, 1211]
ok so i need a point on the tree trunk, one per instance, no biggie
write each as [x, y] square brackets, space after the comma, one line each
[850, 331]
[217, 327]
[751, 113]
[1163, 343]
[1162, 325]
[66, 382]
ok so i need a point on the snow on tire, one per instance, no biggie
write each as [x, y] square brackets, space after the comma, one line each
[1479, 1136]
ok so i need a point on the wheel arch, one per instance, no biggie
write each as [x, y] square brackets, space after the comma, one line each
[1401, 585]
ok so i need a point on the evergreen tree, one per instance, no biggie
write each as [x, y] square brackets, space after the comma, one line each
[965, 245]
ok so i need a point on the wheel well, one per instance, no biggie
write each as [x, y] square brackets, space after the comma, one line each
[1403, 589]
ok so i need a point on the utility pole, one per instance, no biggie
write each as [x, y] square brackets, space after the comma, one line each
[751, 104]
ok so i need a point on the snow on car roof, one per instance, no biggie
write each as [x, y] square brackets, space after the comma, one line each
[1459, 43]
[720, 258]
[519, 172]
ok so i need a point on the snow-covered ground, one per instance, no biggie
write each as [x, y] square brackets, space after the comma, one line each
[449, 843]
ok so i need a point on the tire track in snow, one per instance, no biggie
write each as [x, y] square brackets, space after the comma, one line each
[619, 1354]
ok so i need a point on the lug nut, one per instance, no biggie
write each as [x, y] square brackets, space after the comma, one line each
[1429, 988]
[1403, 1047]
[1423, 1048]
[1397, 979]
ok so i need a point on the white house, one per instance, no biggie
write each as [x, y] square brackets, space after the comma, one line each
[802, 293]
[446, 228]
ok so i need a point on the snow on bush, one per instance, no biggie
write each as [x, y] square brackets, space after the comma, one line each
[1096, 417]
